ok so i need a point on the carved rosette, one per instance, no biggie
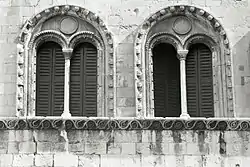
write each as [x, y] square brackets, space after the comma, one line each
[142, 46]
[106, 39]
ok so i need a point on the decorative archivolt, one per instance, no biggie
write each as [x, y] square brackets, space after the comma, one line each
[145, 40]
[31, 37]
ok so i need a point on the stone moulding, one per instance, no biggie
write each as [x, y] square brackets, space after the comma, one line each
[27, 43]
[83, 123]
[142, 55]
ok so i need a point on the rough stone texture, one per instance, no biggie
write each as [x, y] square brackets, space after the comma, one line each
[225, 150]
[123, 18]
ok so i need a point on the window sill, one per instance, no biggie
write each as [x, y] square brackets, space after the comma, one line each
[105, 123]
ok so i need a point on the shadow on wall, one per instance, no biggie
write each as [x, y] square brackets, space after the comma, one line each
[241, 64]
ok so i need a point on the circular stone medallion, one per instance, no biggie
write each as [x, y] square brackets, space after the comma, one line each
[68, 25]
[182, 25]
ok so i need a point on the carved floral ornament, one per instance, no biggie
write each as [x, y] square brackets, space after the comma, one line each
[30, 41]
[145, 43]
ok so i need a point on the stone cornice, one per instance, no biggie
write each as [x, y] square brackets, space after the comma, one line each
[82, 123]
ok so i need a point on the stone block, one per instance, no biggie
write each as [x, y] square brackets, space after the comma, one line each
[167, 136]
[125, 79]
[65, 160]
[89, 161]
[47, 135]
[143, 148]
[27, 147]
[114, 148]
[26, 160]
[59, 147]
[153, 160]
[130, 161]
[192, 160]
[125, 112]
[3, 147]
[44, 147]
[126, 102]
[213, 3]
[77, 147]
[107, 159]
[212, 161]
[197, 149]
[95, 148]
[170, 161]
[177, 148]
[97, 136]
[234, 149]
[44, 160]
[4, 134]
[128, 148]
[13, 147]
[125, 92]
[6, 160]
[122, 136]
[21, 135]
[75, 136]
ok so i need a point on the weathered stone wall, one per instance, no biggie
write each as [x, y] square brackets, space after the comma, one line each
[135, 148]
[123, 18]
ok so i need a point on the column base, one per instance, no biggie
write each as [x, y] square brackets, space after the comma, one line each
[185, 116]
[66, 114]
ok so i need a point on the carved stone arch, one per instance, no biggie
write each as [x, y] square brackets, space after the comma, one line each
[209, 41]
[48, 35]
[216, 39]
[85, 36]
[31, 34]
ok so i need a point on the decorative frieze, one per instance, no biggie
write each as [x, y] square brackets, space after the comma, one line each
[59, 123]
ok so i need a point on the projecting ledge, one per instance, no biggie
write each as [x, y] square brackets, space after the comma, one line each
[105, 123]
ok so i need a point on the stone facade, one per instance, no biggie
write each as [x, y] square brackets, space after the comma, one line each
[124, 142]
[116, 142]
[123, 19]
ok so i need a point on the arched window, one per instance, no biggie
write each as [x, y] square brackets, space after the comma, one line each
[205, 63]
[65, 65]
[199, 79]
[83, 80]
[50, 80]
[166, 74]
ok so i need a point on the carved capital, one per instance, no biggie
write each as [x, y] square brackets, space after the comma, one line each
[182, 54]
[67, 52]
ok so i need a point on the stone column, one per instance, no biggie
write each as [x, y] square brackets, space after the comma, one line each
[182, 54]
[67, 52]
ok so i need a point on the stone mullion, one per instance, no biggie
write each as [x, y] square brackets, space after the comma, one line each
[182, 54]
[67, 54]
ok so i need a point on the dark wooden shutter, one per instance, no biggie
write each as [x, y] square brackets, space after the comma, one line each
[199, 77]
[83, 81]
[166, 76]
[50, 80]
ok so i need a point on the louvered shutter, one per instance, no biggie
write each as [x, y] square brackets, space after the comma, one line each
[166, 81]
[43, 81]
[50, 80]
[58, 82]
[199, 81]
[83, 82]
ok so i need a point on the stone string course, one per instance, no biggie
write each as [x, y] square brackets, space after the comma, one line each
[124, 124]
